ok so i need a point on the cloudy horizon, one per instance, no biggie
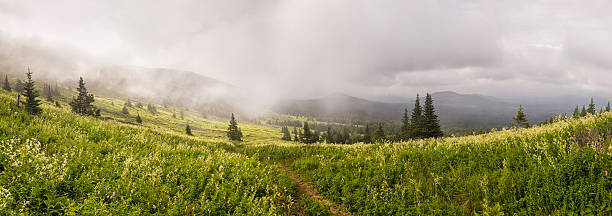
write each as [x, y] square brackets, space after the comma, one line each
[371, 49]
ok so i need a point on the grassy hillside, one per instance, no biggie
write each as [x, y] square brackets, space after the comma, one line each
[558, 169]
[61, 163]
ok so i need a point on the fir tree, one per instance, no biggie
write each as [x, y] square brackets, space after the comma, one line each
[138, 119]
[173, 115]
[367, 135]
[7, 85]
[405, 129]
[188, 130]
[416, 127]
[295, 135]
[583, 113]
[608, 107]
[591, 110]
[19, 86]
[83, 103]
[380, 133]
[576, 113]
[431, 125]
[520, 120]
[182, 116]
[125, 110]
[286, 134]
[233, 132]
[30, 93]
[307, 135]
[128, 103]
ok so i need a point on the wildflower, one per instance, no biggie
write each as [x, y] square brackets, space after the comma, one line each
[85, 201]
[154, 206]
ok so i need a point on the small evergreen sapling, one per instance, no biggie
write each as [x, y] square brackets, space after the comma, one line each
[233, 132]
[188, 130]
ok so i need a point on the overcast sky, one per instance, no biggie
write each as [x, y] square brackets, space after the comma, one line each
[360, 47]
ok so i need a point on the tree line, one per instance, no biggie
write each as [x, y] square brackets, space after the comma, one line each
[420, 124]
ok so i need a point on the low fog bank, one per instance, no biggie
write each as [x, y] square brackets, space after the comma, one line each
[178, 88]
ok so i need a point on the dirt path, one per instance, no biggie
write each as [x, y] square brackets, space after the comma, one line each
[307, 190]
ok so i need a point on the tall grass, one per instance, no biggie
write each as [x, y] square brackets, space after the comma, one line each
[556, 169]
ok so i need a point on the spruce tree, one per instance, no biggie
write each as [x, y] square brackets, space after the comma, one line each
[138, 119]
[583, 113]
[380, 133]
[591, 110]
[188, 130]
[128, 103]
[30, 93]
[295, 135]
[125, 110]
[286, 134]
[431, 124]
[576, 113]
[233, 132]
[7, 85]
[367, 135]
[83, 103]
[19, 86]
[307, 135]
[405, 129]
[608, 107]
[416, 127]
[520, 120]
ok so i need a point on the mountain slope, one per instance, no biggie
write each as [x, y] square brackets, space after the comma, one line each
[454, 110]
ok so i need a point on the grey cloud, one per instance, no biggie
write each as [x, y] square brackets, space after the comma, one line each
[295, 48]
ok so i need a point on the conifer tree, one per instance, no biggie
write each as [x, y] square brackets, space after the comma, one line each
[380, 133]
[608, 107]
[233, 132]
[286, 134]
[416, 127]
[30, 93]
[307, 134]
[583, 113]
[128, 103]
[7, 85]
[405, 129]
[576, 113]
[431, 124]
[173, 115]
[188, 130]
[367, 135]
[520, 120]
[295, 135]
[83, 103]
[591, 110]
[19, 86]
[125, 110]
[182, 116]
[48, 92]
[138, 119]
[601, 110]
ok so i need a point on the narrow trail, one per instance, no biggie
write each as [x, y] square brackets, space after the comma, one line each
[306, 189]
